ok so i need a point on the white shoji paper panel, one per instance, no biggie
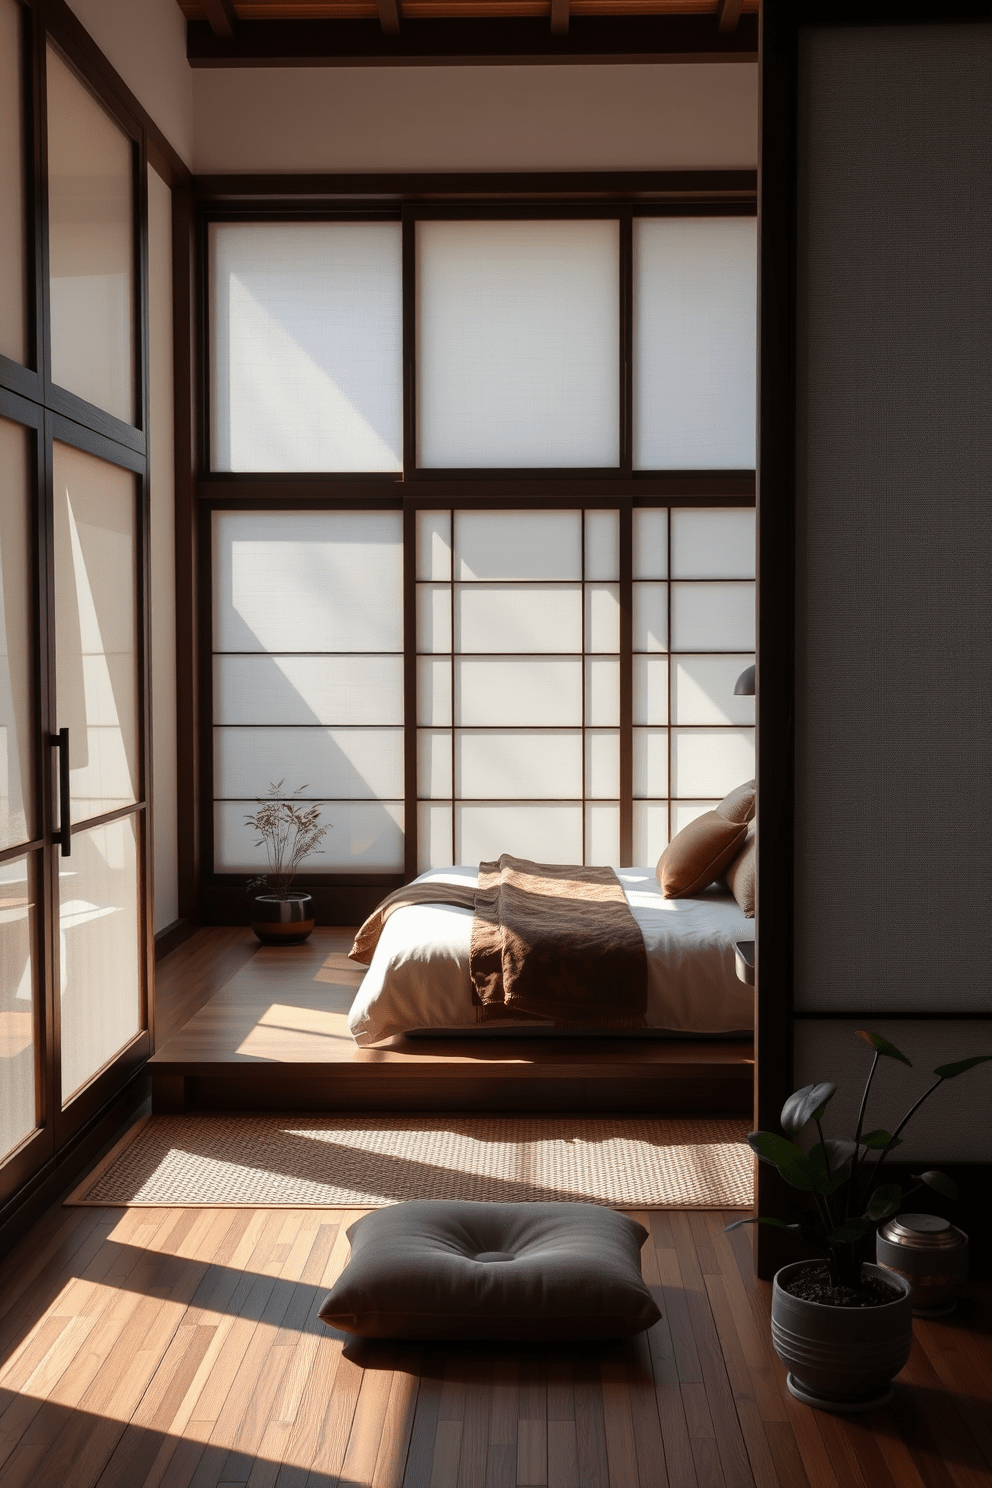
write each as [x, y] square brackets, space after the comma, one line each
[523, 691]
[602, 545]
[603, 763]
[347, 764]
[17, 742]
[713, 617]
[342, 690]
[434, 690]
[695, 331]
[434, 849]
[602, 833]
[520, 617]
[684, 812]
[434, 545]
[650, 530]
[306, 346]
[518, 766]
[548, 834]
[650, 763]
[713, 543]
[651, 689]
[711, 762]
[434, 617]
[703, 690]
[650, 617]
[650, 831]
[518, 343]
[308, 581]
[602, 692]
[603, 617]
[366, 836]
[434, 764]
[91, 245]
[510, 545]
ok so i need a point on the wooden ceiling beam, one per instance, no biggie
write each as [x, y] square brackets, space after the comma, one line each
[727, 16]
[221, 16]
[389, 17]
[559, 17]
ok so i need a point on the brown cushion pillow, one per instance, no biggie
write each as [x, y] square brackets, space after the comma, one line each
[739, 805]
[740, 873]
[440, 1268]
[699, 854]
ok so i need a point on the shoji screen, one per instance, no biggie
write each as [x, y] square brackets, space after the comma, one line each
[306, 346]
[894, 541]
[518, 327]
[13, 225]
[308, 679]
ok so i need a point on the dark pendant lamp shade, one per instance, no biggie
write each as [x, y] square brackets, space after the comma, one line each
[744, 686]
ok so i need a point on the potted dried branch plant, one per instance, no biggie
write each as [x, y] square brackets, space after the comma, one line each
[289, 831]
[842, 1325]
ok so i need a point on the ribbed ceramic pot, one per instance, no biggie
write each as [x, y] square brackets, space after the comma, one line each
[278, 921]
[841, 1358]
[931, 1254]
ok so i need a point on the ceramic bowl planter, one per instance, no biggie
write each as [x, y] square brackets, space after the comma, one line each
[841, 1358]
[282, 919]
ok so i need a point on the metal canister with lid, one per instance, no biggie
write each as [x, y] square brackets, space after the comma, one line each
[931, 1254]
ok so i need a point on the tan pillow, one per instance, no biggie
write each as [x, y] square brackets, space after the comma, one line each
[699, 854]
[739, 805]
[740, 874]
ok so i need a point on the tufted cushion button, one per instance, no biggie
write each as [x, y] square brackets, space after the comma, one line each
[432, 1269]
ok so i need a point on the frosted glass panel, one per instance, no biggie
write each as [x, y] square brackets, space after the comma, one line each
[433, 617]
[650, 543]
[650, 831]
[17, 1005]
[603, 764]
[518, 766]
[650, 617]
[713, 543]
[602, 692]
[434, 545]
[602, 545]
[13, 218]
[434, 845]
[308, 581]
[713, 617]
[695, 327]
[498, 690]
[96, 629]
[350, 764]
[650, 762]
[518, 343]
[531, 617]
[16, 639]
[684, 812]
[367, 836]
[434, 764]
[306, 346]
[703, 690]
[100, 950]
[433, 690]
[91, 246]
[548, 834]
[711, 762]
[602, 617]
[602, 834]
[650, 689]
[308, 689]
[518, 545]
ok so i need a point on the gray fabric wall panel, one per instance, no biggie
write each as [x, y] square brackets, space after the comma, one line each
[954, 1124]
[894, 524]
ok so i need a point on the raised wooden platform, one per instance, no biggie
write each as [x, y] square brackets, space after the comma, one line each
[274, 1036]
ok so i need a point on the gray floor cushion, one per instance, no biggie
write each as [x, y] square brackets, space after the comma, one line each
[452, 1269]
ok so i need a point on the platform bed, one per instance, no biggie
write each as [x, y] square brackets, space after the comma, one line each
[272, 1034]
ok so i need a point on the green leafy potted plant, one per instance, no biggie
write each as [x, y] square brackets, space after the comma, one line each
[289, 832]
[842, 1325]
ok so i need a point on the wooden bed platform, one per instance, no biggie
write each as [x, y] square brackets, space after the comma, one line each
[269, 1031]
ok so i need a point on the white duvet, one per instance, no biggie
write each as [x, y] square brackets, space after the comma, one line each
[419, 978]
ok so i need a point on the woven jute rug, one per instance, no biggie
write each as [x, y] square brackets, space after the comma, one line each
[367, 1162]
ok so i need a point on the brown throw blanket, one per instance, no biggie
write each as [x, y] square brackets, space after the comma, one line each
[548, 942]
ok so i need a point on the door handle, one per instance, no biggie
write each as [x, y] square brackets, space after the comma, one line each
[63, 836]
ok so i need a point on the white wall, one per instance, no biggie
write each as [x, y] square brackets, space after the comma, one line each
[597, 117]
[145, 40]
